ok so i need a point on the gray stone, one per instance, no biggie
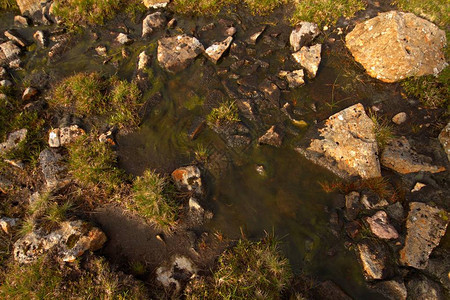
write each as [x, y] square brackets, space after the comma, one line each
[8, 51]
[64, 136]
[422, 288]
[415, 46]
[379, 225]
[303, 34]
[14, 36]
[70, 241]
[295, 78]
[151, 22]
[400, 157]
[216, 50]
[272, 137]
[177, 52]
[444, 138]
[374, 259]
[52, 167]
[309, 58]
[347, 144]
[188, 179]
[396, 211]
[399, 118]
[8, 223]
[13, 141]
[426, 225]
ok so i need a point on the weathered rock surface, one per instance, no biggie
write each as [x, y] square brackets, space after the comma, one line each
[396, 211]
[272, 137]
[155, 3]
[398, 156]
[309, 58]
[444, 138]
[30, 7]
[253, 38]
[40, 38]
[372, 201]
[8, 223]
[8, 51]
[188, 179]
[347, 144]
[21, 21]
[422, 288]
[374, 259]
[177, 52]
[71, 240]
[295, 78]
[392, 289]
[151, 22]
[380, 226]
[216, 50]
[177, 272]
[13, 141]
[352, 205]
[425, 227]
[52, 166]
[15, 37]
[395, 45]
[124, 39]
[328, 290]
[399, 118]
[64, 136]
[303, 34]
[144, 60]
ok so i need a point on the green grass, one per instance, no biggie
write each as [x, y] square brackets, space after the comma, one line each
[250, 270]
[325, 12]
[8, 4]
[154, 200]
[382, 129]
[213, 7]
[94, 164]
[125, 98]
[225, 114]
[436, 11]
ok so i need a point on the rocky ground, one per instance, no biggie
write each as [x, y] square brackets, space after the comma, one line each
[391, 154]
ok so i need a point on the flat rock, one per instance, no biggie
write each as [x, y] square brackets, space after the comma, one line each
[444, 138]
[13, 141]
[425, 225]
[309, 58]
[422, 288]
[53, 167]
[295, 78]
[303, 34]
[346, 145]
[8, 51]
[272, 137]
[155, 3]
[415, 46]
[374, 258]
[71, 240]
[151, 22]
[177, 52]
[271, 92]
[216, 50]
[188, 179]
[400, 157]
[379, 225]
[64, 136]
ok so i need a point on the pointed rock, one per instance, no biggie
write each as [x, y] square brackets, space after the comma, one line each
[271, 137]
[380, 226]
[309, 58]
[216, 50]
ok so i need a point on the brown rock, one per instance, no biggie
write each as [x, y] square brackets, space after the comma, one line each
[155, 3]
[392, 289]
[422, 288]
[374, 259]
[29, 93]
[309, 58]
[399, 118]
[425, 227]
[14, 36]
[30, 7]
[216, 50]
[380, 226]
[271, 92]
[415, 46]
[21, 21]
[177, 52]
[294, 78]
[398, 156]
[271, 137]
[188, 179]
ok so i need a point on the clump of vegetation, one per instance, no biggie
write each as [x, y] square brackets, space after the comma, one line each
[325, 12]
[250, 270]
[90, 94]
[212, 7]
[45, 279]
[225, 114]
[433, 10]
[382, 129]
[154, 199]
[94, 164]
[261, 7]
[8, 4]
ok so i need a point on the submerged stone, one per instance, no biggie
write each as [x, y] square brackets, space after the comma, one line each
[415, 46]
[272, 137]
[295, 78]
[177, 52]
[309, 58]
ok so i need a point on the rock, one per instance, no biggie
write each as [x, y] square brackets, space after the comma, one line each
[379, 225]
[3, 72]
[174, 274]
[13, 141]
[415, 46]
[144, 60]
[30, 7]
[422, 288]
[352, 206]
[294, 78]
[101, 50]
[71, 240]
[152, 21]
[5, 83]
[29, 93]
[309, 58]
[425, 226]
[418, 186]
[52, 167]
[40, 38]
[8, 51]
[216, 50]
[398, 156]
[372, 201]
[271, 92]
[374, 258]
[303, 34]
[396, 211]
[188, 179]
[261, 170]
[391, 289]
[155, 3]
[230, 31]
[271, 137]
[347, 145]
[15, 63]
[353, 228]
[21, 21]
[107, 138]
[64, 136]
[399, 118]
[328, 290]
[14, 36]
[444, 138]
[177, 52]
[124, 39]
[255, 36]
[8, 223]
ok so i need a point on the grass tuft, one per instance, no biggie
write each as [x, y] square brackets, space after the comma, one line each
[8, 4]
[225, 114]
[436, 11]
[382, 129]
[125, 98]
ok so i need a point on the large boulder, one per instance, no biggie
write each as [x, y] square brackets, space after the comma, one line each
[426, 225]
[346, 144]
[177, 52]
[396, 45]
[71, 240]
